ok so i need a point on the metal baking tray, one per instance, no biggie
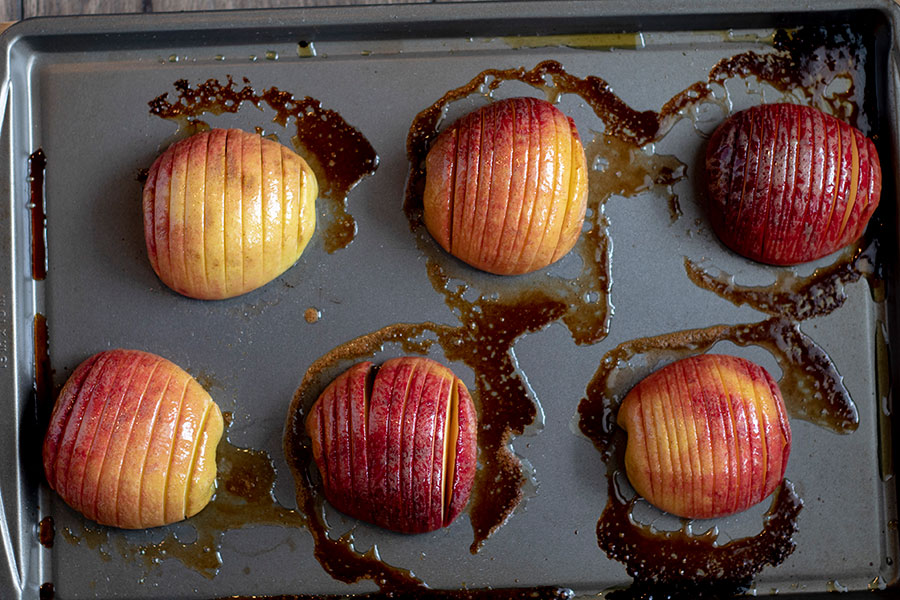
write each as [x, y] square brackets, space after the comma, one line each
[78, 88]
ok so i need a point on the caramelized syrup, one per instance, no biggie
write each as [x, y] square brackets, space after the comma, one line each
[337, 152]
[244, 497]
[46, 592]
[46, 532]
[795, 297]
[37, 206]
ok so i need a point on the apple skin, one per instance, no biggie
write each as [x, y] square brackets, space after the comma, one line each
[789, 184]
[506, 187]
[396, 446]
[708, 436]
[225, 212]
[132, 441]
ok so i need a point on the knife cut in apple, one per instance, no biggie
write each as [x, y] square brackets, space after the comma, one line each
[506, 187]
[132, 441]
[708, 436]
[789, 184]
[396, 445]
[227, 211]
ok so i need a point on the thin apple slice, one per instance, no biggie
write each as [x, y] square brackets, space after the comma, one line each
[460, 473]
[201, 484]
[156, 211]
[234, 212]
[195, 215]
[497, 206]
[214, 234]
[176, 209]
[357, 383]
[440, 188]
[272, 206]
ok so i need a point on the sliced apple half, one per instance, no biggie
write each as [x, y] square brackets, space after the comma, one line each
[789, 184]
[506, 186]
[396, 445]
[708, 436]
[226, 211]
[132, 441]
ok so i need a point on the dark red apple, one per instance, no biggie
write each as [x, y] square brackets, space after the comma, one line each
[789, 184]
[400, 450]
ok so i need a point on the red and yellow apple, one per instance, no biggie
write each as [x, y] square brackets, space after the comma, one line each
[226, 211]
[708, 436]
[789, 184]
[396, 445]
[132, 441]
[506, 187]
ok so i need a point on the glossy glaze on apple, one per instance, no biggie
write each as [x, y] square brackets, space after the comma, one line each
[132, 441]
[401, 453]
[338, 153]
[789, 184]
[226, 211]
[708, 436]
[506, 187]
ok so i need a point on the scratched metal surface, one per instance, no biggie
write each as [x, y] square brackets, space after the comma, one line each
[79, 90]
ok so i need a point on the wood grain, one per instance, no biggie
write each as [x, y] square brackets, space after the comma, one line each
[16, 9]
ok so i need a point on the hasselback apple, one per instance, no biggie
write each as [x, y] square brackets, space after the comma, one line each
[789, 184]
[708, 436]
[226, 211]
[132, 441]
[506, 186]
[398, 450]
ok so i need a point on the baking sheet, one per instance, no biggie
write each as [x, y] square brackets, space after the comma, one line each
[79, 88]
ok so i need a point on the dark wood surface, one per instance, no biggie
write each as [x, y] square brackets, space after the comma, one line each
[14, 10]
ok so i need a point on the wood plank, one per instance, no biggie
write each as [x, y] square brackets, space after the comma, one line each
[10, 10]
[35, 8]
[31, 8]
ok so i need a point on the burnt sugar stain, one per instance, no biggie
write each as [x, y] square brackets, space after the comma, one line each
[46, 532]
[338, 153]
[791, 295]
[37, 207]
[244, 497]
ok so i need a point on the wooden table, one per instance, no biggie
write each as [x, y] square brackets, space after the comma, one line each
[14, 10]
